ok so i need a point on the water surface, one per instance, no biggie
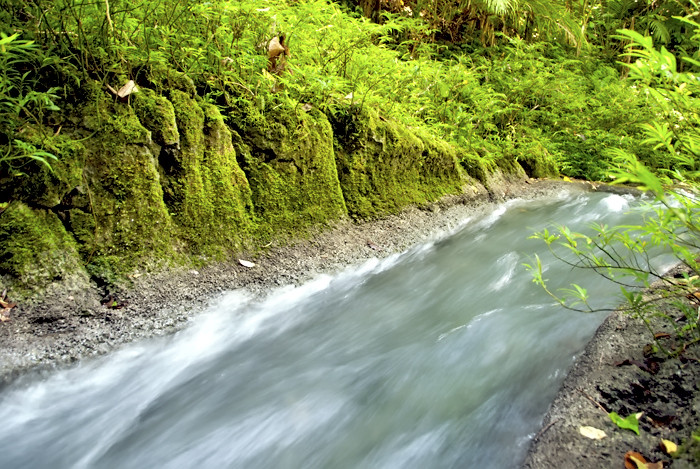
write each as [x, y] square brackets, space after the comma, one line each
[444, 356]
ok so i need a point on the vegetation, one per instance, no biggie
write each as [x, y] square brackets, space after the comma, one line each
[215, 145]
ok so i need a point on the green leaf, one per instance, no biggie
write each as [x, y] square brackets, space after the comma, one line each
[629, 423]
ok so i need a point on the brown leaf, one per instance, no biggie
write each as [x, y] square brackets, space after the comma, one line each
[648, 367]
[662, 421]
[275, 48]
[6, 305]
[661, 335]
[634, 460]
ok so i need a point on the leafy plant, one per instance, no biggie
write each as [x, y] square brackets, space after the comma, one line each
[631, 422]
[672, 222]
[21, 104]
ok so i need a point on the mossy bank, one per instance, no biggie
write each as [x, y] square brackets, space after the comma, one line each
[164, 179]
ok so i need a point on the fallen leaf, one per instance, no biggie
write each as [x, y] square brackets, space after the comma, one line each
[641, 365]
[373, 246]
[566, 179]
[661, 335]
[592, 433]
[5, 315]
[668, 447]
[661, 421]
[127, 89]
[629, 423]
[246, 263]
[6, 305]
[635, 460]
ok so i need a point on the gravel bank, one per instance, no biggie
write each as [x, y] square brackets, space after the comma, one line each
[71, 325]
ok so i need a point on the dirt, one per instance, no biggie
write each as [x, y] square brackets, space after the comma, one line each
[619, 373]
[69, 326]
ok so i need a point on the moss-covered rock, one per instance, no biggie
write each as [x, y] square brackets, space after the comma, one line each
[205, 189]
[43, 186]
[156, 114]
[35, 249]
[384, 166]
[121, 202]
[289, 161]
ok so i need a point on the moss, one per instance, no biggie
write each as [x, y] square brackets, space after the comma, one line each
[165, 79]
[205, 189]
[35, 249]
[539, 164]
[475, 166]
[384, 166]
[48, 187]
[122, 194]
[156, 114]
[289, 160]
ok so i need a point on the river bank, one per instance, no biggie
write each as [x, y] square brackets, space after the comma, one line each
[72, 325]
[618, 372]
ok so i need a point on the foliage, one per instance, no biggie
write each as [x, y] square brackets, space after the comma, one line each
[631, 422]
[672, 222]
[21, 103]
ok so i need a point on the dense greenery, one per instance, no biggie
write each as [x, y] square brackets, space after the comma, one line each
[373, 105]
[524, 80]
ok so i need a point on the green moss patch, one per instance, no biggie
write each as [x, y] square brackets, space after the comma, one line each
[206, 191]
[35, 249]
[290, 164]
[383, 166]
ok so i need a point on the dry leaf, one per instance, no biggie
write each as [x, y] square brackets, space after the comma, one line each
[592, 433]
[668, 447]
[6, 305]
[275, 48]
[634, 460]
[661, 335]
[373, 246]
[127, 89]
[5, 315]
[246, 263]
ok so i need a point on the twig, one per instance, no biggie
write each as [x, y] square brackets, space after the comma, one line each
[541, 432]
[593, 401]
[109, 19]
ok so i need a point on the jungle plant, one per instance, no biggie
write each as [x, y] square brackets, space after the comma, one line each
[672, 222]
[21, 104]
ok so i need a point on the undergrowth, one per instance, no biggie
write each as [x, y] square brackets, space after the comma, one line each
[518, 99]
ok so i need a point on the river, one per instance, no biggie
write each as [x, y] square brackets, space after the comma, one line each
[443, 356]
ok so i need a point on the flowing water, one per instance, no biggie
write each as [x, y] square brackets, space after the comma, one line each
[444, 356]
